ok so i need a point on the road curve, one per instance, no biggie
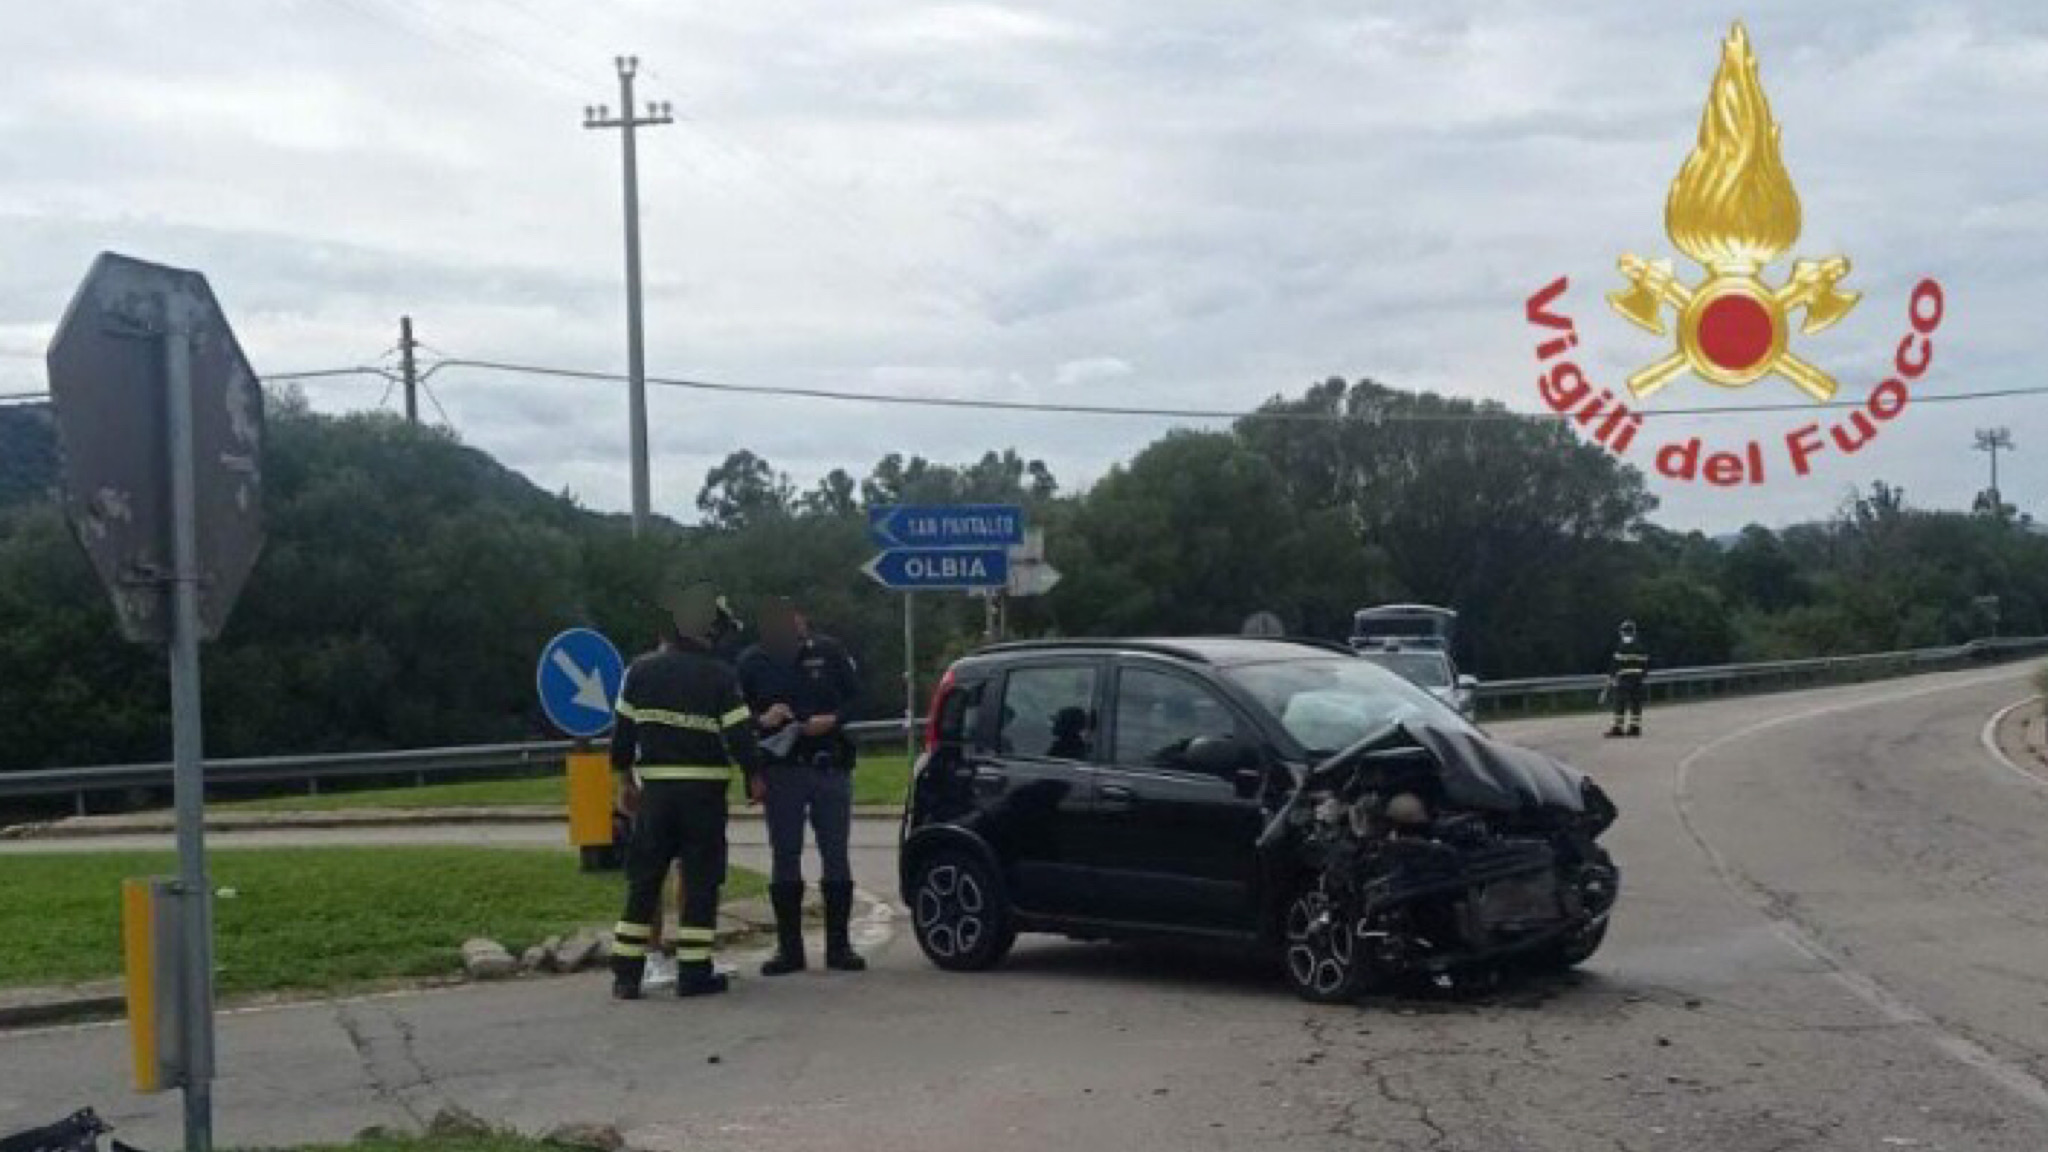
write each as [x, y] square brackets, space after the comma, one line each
[1832, 936]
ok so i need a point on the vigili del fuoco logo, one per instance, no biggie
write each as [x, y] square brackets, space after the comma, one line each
[1733, 211]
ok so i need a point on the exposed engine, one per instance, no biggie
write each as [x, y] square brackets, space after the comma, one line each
[1422, 851]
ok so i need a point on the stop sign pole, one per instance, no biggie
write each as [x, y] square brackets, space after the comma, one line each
[195, 969]
[161, 423]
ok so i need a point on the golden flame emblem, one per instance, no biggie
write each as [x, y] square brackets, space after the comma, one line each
[1733, 209]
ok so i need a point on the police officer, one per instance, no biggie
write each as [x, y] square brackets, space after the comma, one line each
[1625, 681]
[681, 726]
[800, 685]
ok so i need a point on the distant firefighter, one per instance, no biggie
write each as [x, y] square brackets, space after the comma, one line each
[1625, 681]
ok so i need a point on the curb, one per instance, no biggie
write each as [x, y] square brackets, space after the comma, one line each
[103, 999]
[31, 1007]
[88, 827]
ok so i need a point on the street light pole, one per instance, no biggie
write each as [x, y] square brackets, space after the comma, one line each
[628, 122]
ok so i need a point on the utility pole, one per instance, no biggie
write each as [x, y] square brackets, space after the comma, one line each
[636, 366]
[408, 370]
[1992, 441]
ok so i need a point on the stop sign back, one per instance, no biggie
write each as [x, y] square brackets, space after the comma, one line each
[107, 367]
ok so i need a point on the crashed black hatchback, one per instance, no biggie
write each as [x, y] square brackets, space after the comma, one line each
[1278, 794]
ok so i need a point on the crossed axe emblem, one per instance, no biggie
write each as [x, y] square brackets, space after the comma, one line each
[1733, 326]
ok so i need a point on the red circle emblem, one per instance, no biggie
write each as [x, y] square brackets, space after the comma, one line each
[1735, 332]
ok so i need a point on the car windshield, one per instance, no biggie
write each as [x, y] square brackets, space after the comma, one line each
[1428, 669]
[1328, 705]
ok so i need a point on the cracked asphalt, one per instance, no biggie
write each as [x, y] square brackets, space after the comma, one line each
[1833, 935]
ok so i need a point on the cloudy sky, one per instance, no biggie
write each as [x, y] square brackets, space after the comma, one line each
[1151, 202]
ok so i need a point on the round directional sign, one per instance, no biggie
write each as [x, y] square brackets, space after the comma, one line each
[579, 677]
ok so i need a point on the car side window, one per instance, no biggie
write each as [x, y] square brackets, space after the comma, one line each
[1158, 716]
[1049, 712]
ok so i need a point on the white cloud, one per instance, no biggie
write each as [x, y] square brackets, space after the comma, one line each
[1132, 201]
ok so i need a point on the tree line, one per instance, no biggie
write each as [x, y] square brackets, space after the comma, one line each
[409, 580]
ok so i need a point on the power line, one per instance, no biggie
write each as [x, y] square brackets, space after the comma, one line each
[985, 404]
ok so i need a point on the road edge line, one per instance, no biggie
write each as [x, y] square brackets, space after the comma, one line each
[1950, 1042]
[1988, 736]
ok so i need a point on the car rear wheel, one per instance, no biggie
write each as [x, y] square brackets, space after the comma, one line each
[1324, 962]
[960, 914]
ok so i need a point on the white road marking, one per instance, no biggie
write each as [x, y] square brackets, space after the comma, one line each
[2015, 1079]
[1989, 738]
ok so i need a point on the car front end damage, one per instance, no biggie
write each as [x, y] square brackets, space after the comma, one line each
[1424, 851]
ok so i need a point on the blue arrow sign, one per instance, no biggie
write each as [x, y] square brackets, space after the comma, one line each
[946, 525]
[912, 569]
[579, 677]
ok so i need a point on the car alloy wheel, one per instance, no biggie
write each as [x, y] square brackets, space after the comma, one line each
[960, 914]
[1322, 948]
[950, 905]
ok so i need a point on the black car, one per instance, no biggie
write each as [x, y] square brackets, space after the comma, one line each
[1274, 793]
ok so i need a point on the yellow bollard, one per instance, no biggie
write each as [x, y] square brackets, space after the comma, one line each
[147, 941]
[590, 799]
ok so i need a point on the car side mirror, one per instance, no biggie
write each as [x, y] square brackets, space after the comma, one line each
[1218, 755]
[1467, 682]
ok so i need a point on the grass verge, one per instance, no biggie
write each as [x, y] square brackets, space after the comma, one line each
[881, 779]
[308, 918]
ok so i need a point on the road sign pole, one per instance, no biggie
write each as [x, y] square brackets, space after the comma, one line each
[187, 742]
[909, 679]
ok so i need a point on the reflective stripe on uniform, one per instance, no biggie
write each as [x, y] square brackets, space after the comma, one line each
[693, 953]
[627, 930]
[687, 721]
[739, 715]
[696, 935]
[683, 771]
[627, 951]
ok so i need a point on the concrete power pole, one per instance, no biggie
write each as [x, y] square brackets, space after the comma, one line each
[1993, 441]
[408, 370]
[636, 366]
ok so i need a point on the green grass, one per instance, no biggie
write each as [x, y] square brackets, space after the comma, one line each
[308, 918]
[881, 779]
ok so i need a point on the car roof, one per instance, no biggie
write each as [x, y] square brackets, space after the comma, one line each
[1221, 651]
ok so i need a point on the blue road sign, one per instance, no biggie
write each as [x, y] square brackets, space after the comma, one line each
[579, 677]
[946, 525]
[933, 569]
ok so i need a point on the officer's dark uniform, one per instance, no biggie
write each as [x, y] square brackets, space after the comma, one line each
[814, 780]
[681, 726]
[1630, 667]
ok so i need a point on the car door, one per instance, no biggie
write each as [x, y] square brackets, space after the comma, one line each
[1033, 782]
[1171, 843]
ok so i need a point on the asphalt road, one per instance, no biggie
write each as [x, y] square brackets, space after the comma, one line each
[1833, 935]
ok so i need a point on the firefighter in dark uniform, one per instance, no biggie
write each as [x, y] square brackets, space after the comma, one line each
[1625, 681]
[800, 686]
[681, 727]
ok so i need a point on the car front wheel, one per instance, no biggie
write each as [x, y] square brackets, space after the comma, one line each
[960, 914]
[1323, 959]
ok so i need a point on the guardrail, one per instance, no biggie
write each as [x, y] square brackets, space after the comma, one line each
[1547, 693]
[314, 768]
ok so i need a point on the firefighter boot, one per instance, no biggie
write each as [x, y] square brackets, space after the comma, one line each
[839, 953]
[1616, 729]
[626, 974]
[698, 978]
[788, 899]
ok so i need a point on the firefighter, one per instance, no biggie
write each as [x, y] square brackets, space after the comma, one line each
[800, 685]
[1625, 682]
[681, 727]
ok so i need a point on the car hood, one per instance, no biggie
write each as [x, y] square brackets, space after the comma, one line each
[1490, 775]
